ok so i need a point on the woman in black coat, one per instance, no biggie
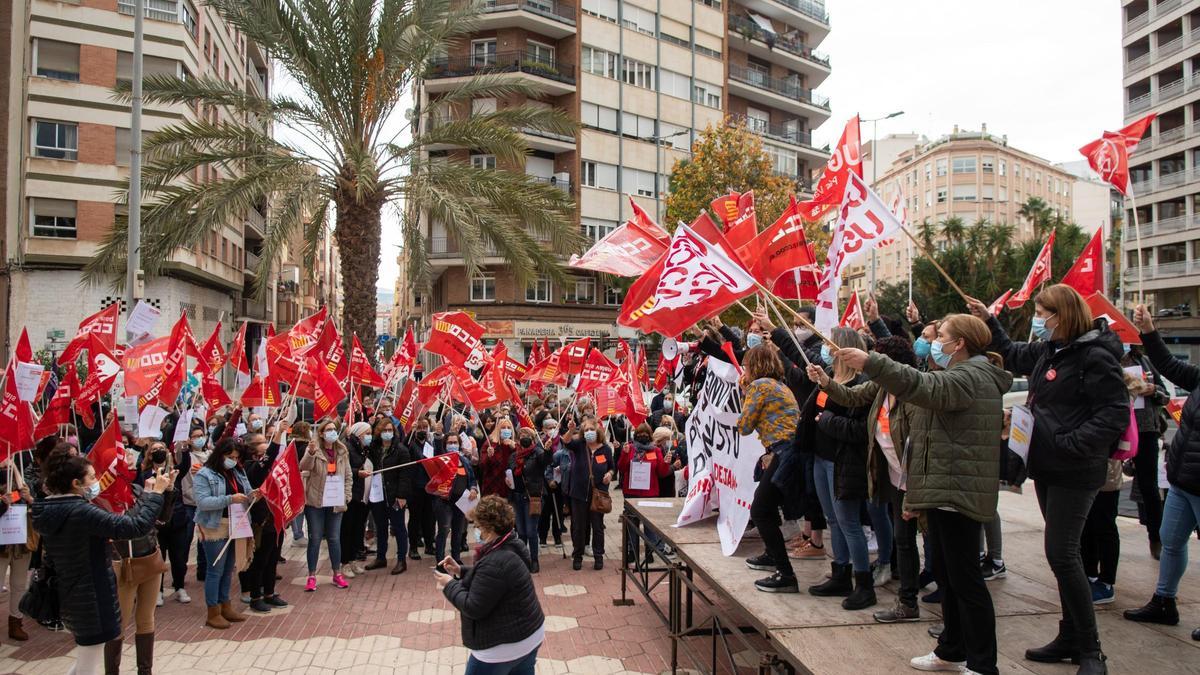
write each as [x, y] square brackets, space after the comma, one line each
[502, 620]
[527, 465]
[75, 539]
[420, 505]
[258, 581]
[389, 492]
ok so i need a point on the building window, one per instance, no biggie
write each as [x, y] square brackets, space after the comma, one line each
[964, 193]
[637, 73]
[151, 65]
[613, 295]
[941, 167]
[964, 165]
[595, 229]
[598, 117]
[639, 182]
[55, 140]
[580, 291]
[941, 195]
[928, 170]
[538, 290]
[540, 53]
[988, 193]
[988, 164]
[670, 135]
[483, 161]
[638, 126]
[674, 84]
[52, 217]
[639, 19]
[603, 9]
[928, 198]
[483, 288]
[56, 60]
[599, 62]
[1003, 167]
[1002, 194]
[783, 161]
[757, 120]
[599, 175]
[706, 94]
[187, 16]
[483, 52]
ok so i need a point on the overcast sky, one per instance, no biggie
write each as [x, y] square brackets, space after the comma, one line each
[1048, 74]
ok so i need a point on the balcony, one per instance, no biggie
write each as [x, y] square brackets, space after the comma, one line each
[1166, 226]
[556, 77]
[778, 47]
[1166, 181]
[809, 15]
[252, 262]
[1174, 135]
[778, 93]
[564, 185]
[783, 133]
[256, 223]
[1165, 93]
[544, 17]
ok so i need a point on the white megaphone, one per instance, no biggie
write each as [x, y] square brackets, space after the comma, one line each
[672, 348]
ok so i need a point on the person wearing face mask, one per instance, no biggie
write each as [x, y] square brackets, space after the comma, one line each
[354, 522]
[299, 436]
[527, 467]
[15, 558]
[258, 582]
[498, 447]
[76, 536]
[673, 446]
[1146, 461]
[652, 465]
[189, 457]
[420, 503]
[389, 493]
[591, 467]
[327, 460]
[554, 501]
[451, 521]
[1080, 408]
[221, 483]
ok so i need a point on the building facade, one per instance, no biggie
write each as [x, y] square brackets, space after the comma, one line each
[970, 175]
[305, 287]
[1161, 49]
[66, 151]
[643, 77]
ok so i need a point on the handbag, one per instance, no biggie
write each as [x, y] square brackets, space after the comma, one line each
[535, 506]
[601, 501]
[40, 601]
[137, 570]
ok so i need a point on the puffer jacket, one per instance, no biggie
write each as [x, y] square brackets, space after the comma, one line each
[495, 597]
[357, 455]
[1079, 402]
[75, 538]
[838, 434]
[397, 483]
[870, 393]
[1183, 454]
[530, 478]
[953, 450]
[314, 472]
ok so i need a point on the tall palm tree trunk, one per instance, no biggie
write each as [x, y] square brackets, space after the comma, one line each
[358, 237]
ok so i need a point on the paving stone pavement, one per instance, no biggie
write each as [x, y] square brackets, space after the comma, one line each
[382, 624]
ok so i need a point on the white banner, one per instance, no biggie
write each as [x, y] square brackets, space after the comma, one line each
[721, 461]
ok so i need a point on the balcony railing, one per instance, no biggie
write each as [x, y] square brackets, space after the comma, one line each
[1166, 181]
[564, 185]
[1163, 94]
[747, 27]
[1168, 225]
[252, 261]
[502, 62]
[1181, 132]
[809, 8]
[776, 85]
[161, 10]
[547, 8]
[1165, 270]
[777, 132]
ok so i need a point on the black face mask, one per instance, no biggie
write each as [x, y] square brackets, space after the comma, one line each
[158, 456]
[642, 439]
[420, 436]
[526, 442]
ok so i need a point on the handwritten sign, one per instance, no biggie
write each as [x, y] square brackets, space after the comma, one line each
[1021, 432]
[14, 524]
[335, 491]
[141, 321]
[466, 504]
[639, 475]
[239, 522]
[28, 376]
[150, 421]
[376, 494]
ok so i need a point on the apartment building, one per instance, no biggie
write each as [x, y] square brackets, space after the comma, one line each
[305, 287]
[970, 175]
[1161, 46]
[643, 77]
[66, 153]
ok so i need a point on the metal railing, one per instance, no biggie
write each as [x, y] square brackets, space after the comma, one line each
[1163, 94]
[1165, 270]
[1164, 51]
[776, 85]
[252, 261]
[564, 185]
[547, 8]
[501, 62]
[747, 27]
[1168, 225]
[1174, 135]
[777, 132]
[1166, 181]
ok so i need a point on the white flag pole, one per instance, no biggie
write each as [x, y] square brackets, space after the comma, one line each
[1137, 233]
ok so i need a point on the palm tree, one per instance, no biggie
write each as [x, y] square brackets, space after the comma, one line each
[954, 230]
[1037, 212]
[354, 63]
[926, 233]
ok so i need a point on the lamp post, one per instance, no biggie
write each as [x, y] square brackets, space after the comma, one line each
[874, 172]
[657, 141]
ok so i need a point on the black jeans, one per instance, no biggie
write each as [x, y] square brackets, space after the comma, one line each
[175, 541]
[450, 522]
[967, 610]
[1100, 545]
[551, 519]
[1065, 511]
[259, 579]
[585, 524]
[764, 511]
[1145, 472]
[908, 561]
[812, 504]
[420, 521]
[354, 527]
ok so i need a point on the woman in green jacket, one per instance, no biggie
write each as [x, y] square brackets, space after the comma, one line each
[953, 478]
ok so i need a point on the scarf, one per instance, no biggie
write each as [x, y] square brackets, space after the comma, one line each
[487, 547]
[519, 459]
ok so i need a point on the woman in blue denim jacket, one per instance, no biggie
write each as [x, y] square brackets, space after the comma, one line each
[220, 483]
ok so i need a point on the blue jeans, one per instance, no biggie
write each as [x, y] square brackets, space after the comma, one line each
[881, 524]
[323, 523]
[526, 525]
[845, 523]
[522, 666]
[1181, 512]
[297, 528]
[388, 517]
[217, 579]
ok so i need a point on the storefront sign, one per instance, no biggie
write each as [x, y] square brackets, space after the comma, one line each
[546, 329]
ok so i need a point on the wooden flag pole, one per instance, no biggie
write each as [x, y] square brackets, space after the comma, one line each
[925, 252]
[796, 315]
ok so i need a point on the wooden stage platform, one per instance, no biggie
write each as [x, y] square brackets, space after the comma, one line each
[721, 623]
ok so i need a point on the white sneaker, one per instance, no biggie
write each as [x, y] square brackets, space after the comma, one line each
[931, 663]
[348, 572]
[182, 596]
[881, 574]
[872, 543]
[159, 602]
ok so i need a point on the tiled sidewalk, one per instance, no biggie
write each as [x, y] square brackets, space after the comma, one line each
[382, 624]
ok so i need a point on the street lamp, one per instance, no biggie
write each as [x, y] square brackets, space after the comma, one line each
[875, 170]
[657, 141]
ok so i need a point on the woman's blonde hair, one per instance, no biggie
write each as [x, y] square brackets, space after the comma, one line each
[502, 421]
[600, 437]
[974, 333]
[762, 361]
[1074, 315]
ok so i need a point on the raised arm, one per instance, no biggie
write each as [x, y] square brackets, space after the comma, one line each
[952, 389]
[854, 397]
[1184, 375]
[1019, 357]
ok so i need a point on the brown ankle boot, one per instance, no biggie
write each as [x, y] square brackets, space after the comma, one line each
[15, 630]
[112, 657]
[401, 566]
[215, 620]
[230, 613]
[144, 643]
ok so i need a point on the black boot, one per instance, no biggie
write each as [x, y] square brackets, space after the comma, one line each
[1158, 610]
[144, 643]
[839, 583]
[1091, 659]
[1196, 634]
[112, 657]
[864, 592]
[1062, 648]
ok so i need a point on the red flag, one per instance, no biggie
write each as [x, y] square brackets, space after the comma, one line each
[1038, 274]
[360, 367]
[455, 336]
[598, 371]
[694, 280]
[329, 392]
[329, 351]
[727, 347]
[112, 470]
[608, 402]
[262, 392]
[845, 160]
[409, 406]
[666, 368]
[24, 351]
[101, 377]
[214, 394]
[995, 307]
[283, 488]
[779, 248]
[166, 386]
[1175, 408]
[142, 364]
[643, 371]
[643, 221]
[304, 335]
[512, 368]
[16, 417]
[798, 284]
[853, 316]
[212, 353]
[736, 211]
[285, 367]
[58, 411]
[102, 323]
[403, 359]
[574, 355]
[441, 469]
[237, 353]
[1109, 154]
[1087, 274]
[1117, 323]
[627, 251]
